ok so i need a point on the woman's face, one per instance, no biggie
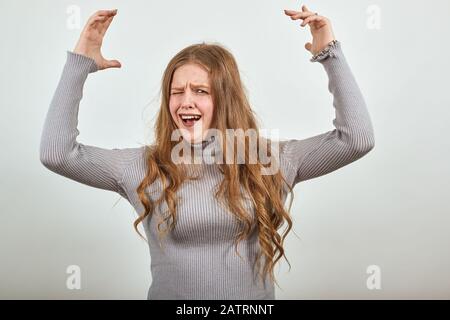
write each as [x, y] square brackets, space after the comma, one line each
[190, 94]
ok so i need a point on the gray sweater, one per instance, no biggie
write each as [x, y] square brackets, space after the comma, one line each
[197, 259]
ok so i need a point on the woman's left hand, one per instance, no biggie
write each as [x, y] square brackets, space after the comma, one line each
[320, 27]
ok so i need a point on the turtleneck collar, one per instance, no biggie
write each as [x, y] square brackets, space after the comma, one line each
[205, 149]
[204, 143]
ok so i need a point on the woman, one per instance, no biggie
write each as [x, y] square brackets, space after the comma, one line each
[213, 232]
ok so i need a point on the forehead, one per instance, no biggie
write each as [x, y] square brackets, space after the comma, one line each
[190, 73]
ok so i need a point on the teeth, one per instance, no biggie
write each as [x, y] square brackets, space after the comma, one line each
[186, 117]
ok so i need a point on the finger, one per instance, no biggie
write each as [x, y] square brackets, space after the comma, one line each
[308, 46]
[96, 19]
[112, 64]
[291, 12]
[305, 9]
[311, 19]
[101, 14]
[104, 22]
[98, 24]
[105, 12]
[105, 25]
[301, 15]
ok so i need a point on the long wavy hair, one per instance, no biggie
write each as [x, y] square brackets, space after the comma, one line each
[231, 111]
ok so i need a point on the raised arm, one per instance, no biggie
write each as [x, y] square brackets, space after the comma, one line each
[353, 136]
[59, 150]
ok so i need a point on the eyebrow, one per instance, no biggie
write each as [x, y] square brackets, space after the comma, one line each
[194, 85]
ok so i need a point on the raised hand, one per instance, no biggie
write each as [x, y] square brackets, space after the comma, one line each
[320, 27]
[91, 38]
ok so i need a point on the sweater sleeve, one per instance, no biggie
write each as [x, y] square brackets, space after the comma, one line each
[61, 153]
[353, 135]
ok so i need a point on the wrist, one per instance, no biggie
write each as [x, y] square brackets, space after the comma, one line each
[84, 49]
[323, 53]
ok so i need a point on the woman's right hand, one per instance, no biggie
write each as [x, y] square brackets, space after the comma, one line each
[91, 38]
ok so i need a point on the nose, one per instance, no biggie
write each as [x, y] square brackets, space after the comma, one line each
[187, 101]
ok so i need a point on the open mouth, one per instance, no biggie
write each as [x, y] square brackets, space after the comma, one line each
[189, 119]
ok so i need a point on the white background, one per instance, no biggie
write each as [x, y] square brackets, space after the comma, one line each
[390, 208]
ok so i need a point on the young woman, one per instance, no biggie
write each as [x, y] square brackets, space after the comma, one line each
[213, 231]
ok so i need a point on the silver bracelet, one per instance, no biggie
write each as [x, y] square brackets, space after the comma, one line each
[324, 52]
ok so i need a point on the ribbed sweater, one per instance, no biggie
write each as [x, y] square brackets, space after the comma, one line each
[197, 260]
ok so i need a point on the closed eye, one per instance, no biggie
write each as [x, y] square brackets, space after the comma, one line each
[202, 91]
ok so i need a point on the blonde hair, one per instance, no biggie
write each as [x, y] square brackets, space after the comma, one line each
[231, 111]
